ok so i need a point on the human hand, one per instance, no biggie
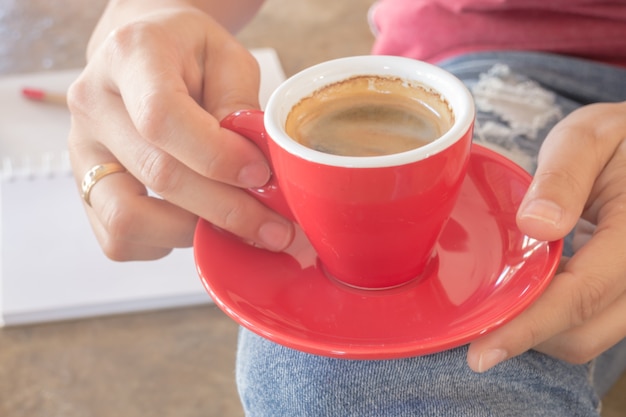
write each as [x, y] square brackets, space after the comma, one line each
[151, 97]
[581, 174]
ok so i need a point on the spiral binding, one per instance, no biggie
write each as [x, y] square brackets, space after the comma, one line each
[47, 164]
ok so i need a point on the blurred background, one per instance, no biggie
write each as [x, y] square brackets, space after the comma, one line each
[176, 361]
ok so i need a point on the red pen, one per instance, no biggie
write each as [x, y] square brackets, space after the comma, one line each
[36, 94]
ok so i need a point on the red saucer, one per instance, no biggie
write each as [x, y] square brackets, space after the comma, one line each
[484, 274]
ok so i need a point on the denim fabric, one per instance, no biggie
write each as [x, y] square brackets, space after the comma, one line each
[276, 381]
[552, 86]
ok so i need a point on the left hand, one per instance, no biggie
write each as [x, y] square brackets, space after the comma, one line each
[581, 174]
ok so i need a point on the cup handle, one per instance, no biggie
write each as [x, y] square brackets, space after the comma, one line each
[249, 123]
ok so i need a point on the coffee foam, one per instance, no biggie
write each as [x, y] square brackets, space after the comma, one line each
[369, 116]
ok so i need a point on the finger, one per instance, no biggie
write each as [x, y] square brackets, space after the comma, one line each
[223, 205]
[231, 84]
[583, 343]
[128, 214]
[129, 225]
[127, 222]
[571, 158]
[592, 279]
[161, 95]
[124, 250]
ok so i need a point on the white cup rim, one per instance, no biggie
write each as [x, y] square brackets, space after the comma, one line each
[304, 83]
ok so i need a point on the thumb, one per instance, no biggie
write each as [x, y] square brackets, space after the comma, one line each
[233, 85]
[567, 167]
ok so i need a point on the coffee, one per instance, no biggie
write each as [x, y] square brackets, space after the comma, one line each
[369, 116]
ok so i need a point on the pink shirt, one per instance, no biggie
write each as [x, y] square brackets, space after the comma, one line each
[432, 30]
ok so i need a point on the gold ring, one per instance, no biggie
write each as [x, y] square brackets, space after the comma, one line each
[95, 174]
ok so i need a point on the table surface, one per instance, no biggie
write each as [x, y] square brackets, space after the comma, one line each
[171, 362]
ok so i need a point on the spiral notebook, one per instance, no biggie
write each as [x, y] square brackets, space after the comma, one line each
[51, 267]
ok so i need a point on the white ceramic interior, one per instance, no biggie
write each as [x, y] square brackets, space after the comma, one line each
[304, 83]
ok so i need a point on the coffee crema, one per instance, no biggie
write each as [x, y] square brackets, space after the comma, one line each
[369, 115]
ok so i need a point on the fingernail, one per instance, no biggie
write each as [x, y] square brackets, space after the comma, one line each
[255, 174]
[490, 358]
[275, 236]
[543, 210]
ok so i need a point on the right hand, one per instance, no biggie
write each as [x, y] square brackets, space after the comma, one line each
[580, 184]
[151, 98]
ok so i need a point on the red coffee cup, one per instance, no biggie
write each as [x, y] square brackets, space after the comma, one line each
[373, 221]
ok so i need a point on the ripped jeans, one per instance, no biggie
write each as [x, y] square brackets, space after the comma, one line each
[519, 97]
